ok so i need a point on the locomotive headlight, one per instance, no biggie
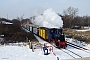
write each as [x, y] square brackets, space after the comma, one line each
[58, 40]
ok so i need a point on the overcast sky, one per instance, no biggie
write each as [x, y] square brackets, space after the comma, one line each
[27, 8]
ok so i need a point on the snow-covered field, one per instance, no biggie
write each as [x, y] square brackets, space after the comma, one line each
[21, 52]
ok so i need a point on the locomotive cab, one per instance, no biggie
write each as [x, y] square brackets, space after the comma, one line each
[61, 43]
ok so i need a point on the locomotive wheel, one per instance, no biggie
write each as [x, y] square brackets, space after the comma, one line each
[64, 47]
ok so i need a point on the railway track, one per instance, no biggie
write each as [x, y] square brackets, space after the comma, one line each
[74, 53]
[78, 47]
[71, 53]
[68, 53]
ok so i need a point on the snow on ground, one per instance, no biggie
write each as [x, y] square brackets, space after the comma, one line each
[4, 22]
[22, 53]
[88, 29]
[15, 52]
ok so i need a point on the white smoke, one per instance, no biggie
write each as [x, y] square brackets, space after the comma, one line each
[48, 19]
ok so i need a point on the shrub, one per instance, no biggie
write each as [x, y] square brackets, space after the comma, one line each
[15, 33]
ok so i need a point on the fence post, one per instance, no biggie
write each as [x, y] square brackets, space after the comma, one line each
[30, 44]
[32, 48]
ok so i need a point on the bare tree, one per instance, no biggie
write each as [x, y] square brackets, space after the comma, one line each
[70, 12]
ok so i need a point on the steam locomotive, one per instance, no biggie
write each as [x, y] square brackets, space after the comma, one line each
[52, 35]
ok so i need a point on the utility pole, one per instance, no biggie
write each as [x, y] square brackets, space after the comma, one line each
[7, 16]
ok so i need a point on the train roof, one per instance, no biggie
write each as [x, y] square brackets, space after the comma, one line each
[49, 28]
